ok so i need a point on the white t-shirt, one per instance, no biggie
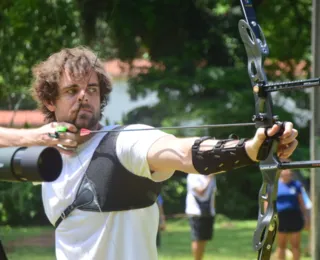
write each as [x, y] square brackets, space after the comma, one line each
[122, 235]
[199, 181]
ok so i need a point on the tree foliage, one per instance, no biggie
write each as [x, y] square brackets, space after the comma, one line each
[199, 68]
[30, 31]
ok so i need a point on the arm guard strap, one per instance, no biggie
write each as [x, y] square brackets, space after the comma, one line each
[220, 158]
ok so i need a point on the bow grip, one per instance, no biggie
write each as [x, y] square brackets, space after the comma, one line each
[267, 144]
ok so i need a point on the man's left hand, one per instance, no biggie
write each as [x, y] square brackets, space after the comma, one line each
[287, 141]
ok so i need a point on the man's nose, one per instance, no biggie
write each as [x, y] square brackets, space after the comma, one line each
[82, 96]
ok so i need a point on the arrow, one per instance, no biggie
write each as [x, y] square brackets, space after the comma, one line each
[84, 131]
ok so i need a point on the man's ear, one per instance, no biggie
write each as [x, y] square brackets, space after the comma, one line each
[50, 105]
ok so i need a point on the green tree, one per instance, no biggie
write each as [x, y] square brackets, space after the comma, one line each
[200, 69]
[29, 32]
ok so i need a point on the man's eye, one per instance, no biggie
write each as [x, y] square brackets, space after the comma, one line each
[92, 90]
[71, 91]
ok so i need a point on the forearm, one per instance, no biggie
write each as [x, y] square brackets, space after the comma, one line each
[176, 154]
[18, 137]
[172, 154]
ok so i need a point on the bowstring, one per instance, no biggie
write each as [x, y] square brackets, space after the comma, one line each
[74, 121]
[76, 152]
[85, 175]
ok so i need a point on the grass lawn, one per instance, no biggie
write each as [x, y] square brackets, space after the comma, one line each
[28, 243]
[232, 241]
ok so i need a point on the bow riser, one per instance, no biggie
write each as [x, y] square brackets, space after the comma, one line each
[267, 225]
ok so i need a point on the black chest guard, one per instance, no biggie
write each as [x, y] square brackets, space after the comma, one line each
[108, 186]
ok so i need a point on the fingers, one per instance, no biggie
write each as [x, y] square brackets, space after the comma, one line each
[273, 130]
[288, 128]
[70, 127]
[286, 150]
[54, 137]
[287, 131]
[65, 139]
[261, 135]
[287, 140]
[288, 135]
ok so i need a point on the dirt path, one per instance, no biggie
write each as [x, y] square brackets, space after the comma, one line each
[46, 239]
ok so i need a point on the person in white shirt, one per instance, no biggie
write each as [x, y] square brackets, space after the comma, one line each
[200, 208]
[99, 210]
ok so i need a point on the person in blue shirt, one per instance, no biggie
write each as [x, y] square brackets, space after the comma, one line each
[292, 214]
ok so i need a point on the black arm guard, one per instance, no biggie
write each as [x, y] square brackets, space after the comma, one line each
[219, 158]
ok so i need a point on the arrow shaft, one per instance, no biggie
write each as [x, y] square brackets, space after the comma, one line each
[177, 127]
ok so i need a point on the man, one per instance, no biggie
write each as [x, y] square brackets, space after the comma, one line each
[200, 208]
[104, 202]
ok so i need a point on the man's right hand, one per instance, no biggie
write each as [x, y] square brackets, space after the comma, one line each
[67, 139]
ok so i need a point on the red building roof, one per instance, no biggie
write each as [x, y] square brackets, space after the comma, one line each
[21, 118]
[120, 69]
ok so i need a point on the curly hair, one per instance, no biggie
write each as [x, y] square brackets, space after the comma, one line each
[80, 62]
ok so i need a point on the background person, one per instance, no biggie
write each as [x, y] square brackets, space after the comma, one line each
[162, 220]
[292, 214]
[200, 207]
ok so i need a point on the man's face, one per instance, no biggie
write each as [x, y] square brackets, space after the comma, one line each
[78, 101]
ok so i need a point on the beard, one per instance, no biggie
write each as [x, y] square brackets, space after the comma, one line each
[88, 121]
[80, 118]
